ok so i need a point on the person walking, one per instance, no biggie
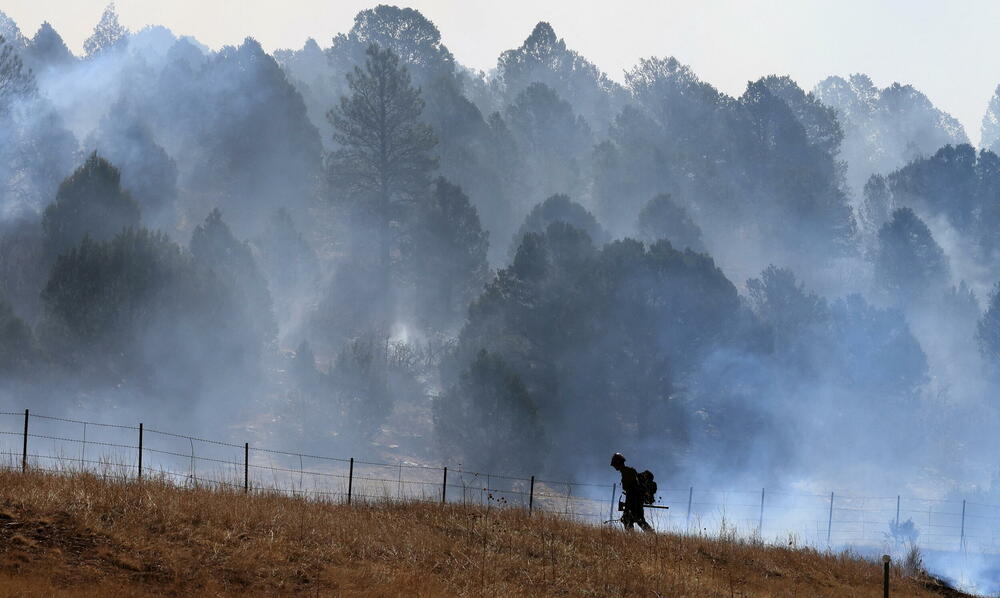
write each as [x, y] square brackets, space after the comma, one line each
[634, 512]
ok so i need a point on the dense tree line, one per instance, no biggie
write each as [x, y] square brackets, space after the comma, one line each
[544, 262]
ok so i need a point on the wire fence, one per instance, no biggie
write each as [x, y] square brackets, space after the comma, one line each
[64, 445]
[41, 442]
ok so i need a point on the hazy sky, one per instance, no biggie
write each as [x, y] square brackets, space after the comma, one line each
[948, 50]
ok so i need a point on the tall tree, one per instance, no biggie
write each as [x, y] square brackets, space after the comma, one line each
[554, 139]
[126, 140]
[15, 79]
[108, 33]
[137, 310]
[988, 331]
[449, 248]
[214, 245]
[384, 160]
[559, 208]
[663, 218]
[48, 49]
[544, 58]
[909, 263]
[17, 344]
[91, 202]
[877, 205]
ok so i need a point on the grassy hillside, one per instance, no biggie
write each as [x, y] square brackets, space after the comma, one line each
[77, 536]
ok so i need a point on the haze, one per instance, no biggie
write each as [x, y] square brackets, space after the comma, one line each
[949, 50]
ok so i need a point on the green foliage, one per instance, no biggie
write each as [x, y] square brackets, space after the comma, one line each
[138, 310]
[90, 203]
[988, 329]
[447, 246]
[553, 138]
[15, 79]
[232, 262]
[877, 207]
[909, 263]
[384, 154]
[592, 333]
[663, 218]
[354, 398]
[488, 412]
[18, 349]
[559, 208]
[108, 33]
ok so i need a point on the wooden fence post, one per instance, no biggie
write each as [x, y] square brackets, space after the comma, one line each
[885, 575]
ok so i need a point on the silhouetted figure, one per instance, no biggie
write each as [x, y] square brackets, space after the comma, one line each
[633, 512]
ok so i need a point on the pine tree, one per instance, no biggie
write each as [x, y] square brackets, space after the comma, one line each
[384, 160]
[15, 79]
[91, 202]
[108, 33]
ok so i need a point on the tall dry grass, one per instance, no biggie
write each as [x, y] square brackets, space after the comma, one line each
[81, 536]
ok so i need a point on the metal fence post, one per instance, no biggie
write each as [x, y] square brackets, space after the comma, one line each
[760, 523]
[829, 522]
[350, 480]
[690, 496]
[961, 540]
[531, 495]
[24, 449]
[614, 492]
[140, 450]
[246, 468]
[897, 510]
[444, 486]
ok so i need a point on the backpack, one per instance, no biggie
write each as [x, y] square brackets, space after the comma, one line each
[647, 487]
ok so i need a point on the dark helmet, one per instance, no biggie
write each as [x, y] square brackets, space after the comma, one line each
[617, 459]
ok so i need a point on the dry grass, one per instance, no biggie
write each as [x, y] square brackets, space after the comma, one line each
[76, 536]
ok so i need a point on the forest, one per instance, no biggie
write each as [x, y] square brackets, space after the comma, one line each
[362, 244]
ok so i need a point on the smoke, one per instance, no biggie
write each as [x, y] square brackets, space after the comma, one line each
[776, 329]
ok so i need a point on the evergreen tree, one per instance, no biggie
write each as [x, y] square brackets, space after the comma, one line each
[108, 33]
[663, 218]
[554, 139]
[490, 408]
[91, 202]
[214, 245]
[47, 49]
[16, 80]
[449, 248]
[10, 31]
[559, 208]
[909, 263]
[877, 206]
[288, 262]
[18, 350]
[384, 158]
[147, 172]
[988, 329]
[138, 311]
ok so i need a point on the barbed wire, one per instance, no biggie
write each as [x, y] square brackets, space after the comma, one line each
[940, 526]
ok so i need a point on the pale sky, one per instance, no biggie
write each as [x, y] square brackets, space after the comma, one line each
[949, 50]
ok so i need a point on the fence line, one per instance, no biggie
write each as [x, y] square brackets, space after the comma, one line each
[51, 444]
